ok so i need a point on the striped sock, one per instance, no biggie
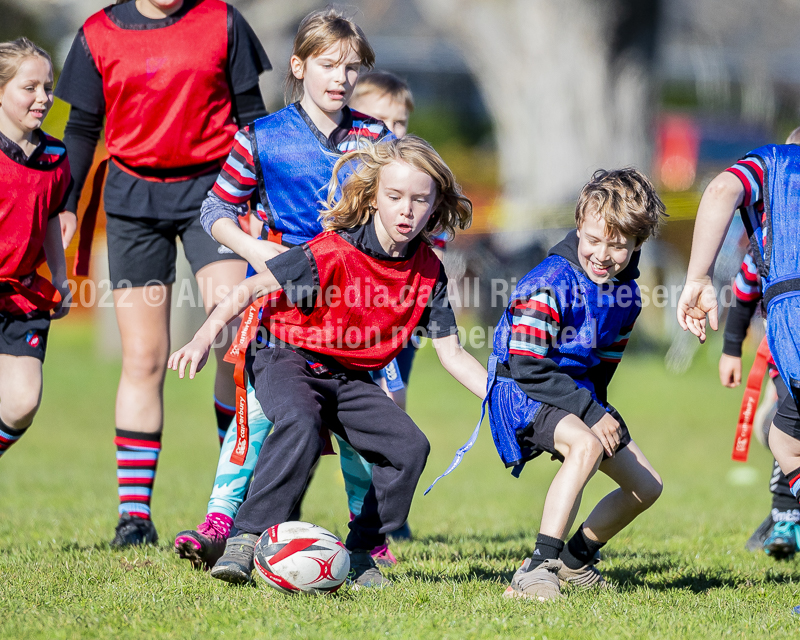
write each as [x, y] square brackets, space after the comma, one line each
[9, 436]
[794, 482]
[137, 458]
[225, 414]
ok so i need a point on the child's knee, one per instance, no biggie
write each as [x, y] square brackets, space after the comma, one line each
[19, 409]
[588, 450]
[650, 490]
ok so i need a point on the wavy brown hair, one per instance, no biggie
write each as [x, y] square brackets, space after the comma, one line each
[625, 200]
[318, 31]
[453, 211]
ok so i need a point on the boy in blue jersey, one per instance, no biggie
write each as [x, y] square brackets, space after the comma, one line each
[555, 350]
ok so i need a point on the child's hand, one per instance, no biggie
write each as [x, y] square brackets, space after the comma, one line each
[195, 352]
[607, 431]
[698, 298]
[730, 371]
[64, 306]
[69, 225]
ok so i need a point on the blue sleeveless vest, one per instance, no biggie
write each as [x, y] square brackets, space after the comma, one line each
[777, 255]
[293, 164]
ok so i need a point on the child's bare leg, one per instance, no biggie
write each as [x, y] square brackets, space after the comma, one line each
[639, 488]
[582, 453]
[20, 395]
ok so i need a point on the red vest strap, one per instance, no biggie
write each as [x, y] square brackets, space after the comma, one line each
[81, 265]
[741, 445]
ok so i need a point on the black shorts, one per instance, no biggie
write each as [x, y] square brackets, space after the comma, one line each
[539, 436]
[142, 251]
[24, 335]
[787, 417]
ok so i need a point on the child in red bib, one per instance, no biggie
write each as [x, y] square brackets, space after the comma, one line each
[36, 181]
[339, 306]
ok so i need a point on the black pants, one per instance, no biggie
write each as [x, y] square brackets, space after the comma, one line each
[782, 498]
[300, 404]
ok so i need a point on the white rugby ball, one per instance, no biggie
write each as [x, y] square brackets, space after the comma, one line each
[299, 557]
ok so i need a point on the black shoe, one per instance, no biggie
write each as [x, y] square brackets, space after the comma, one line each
[236, 564]
[364, 573]
[756, 541]
[403, 533]
[132, 531]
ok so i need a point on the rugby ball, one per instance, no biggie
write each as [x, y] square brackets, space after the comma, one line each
[299, 557]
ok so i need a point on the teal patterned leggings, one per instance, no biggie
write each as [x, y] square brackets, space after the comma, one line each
[232, 481]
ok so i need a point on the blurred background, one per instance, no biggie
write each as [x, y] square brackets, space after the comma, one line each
[526, 98]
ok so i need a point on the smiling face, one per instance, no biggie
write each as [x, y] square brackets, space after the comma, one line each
[393, 112]
[602, 255]
[328, 81]
[405, 201]
[158, 9]
[26, 99]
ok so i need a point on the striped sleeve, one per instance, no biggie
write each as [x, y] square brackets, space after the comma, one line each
[751, 174]
[535, 325]
[747, 284]
[237, 179]
[613, 352]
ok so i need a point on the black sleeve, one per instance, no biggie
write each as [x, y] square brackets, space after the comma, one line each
[542, 380]
[438, 318]
[248, 106]
[80, 137]
[247, 58]
[80, 83]
[296, 272]
[736, 326]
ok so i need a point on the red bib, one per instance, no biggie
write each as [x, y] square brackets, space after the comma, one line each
[168, 102]
[30, 194]
[366, 308]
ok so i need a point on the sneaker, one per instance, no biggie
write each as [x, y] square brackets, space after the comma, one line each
[587, 577]
[236, 564]
[383, 556]
[540, 584]
[206, 545]
[132, 531]
[364, 573]
[756, 541]
[783, 541]
[403, 533]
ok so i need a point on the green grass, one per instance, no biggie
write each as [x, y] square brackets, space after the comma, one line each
[681, 567]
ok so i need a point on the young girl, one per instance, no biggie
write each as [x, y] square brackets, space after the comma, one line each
[36, 181]
[172, 109]
[283, 163]
[375, 280]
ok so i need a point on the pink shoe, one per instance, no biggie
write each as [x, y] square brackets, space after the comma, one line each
[206, 545]
[383, 556]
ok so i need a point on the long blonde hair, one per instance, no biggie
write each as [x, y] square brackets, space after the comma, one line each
[12, 55]
[318, 31]
[359, 190]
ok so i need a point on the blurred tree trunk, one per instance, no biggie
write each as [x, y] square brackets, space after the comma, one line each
[569, 84]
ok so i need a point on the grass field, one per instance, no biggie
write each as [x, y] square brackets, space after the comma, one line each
[681, 568]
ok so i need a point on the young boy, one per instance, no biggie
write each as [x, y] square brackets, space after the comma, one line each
[555, 350]
[386, 97]
[765, 187]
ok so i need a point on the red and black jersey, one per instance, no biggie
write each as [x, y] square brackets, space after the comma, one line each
[365, 306]
[33, 190]
[154, 78]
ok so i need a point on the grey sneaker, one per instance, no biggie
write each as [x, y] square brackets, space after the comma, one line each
[539, 584]
[132, 531]
[756, 541]
[364, 573]
[587, 577]
[236, 564]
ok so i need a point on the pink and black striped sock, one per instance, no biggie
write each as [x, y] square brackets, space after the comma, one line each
[9, 436]
[137, 459]
[225, 414]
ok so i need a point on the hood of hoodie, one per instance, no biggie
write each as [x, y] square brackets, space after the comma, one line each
[568, 249]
